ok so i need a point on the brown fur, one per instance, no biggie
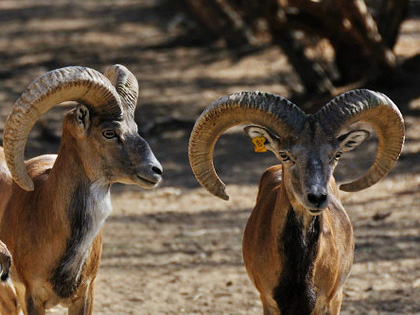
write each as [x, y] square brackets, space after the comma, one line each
[264, 261]
[36, 254]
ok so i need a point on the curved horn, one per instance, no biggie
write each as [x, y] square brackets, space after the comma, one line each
[374, 108]
[79, 84]
[272, 111]
[126, 85]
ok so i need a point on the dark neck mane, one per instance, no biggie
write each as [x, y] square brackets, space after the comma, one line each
[88, 210]
[295, 293]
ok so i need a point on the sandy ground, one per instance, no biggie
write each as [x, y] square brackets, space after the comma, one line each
[177, 249]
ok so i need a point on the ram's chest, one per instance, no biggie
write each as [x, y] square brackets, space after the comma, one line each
[88, 210]
[295, 292]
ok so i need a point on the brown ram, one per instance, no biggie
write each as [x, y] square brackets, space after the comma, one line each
[298, 242]
[53, 214]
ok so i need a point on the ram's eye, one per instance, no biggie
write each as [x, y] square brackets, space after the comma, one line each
[337, 155]
[284, 157]
[109, 134]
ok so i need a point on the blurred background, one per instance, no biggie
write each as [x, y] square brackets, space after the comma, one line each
[177, 249]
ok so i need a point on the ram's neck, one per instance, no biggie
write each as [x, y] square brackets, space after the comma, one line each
[86, 205]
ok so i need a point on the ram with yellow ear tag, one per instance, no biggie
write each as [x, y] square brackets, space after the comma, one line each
[298, 242]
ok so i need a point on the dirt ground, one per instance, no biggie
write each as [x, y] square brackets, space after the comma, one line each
[177, 249]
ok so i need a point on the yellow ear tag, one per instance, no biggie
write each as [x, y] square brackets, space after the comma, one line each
[259, 144]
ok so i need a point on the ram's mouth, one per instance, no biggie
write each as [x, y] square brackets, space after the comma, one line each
[149, 182]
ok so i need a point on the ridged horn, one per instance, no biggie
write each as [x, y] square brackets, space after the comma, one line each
[126, 85]
[271, 111]
[80, 84]
[374, 108]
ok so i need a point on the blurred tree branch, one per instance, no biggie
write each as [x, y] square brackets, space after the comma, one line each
[362, 41]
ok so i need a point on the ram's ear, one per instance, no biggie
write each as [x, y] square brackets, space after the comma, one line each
[352, 139]
[82, 118]
[263, 139]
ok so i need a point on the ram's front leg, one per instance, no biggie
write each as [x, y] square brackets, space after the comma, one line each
[83, 305]
[270, 310]
[83, 301]
[336, 303]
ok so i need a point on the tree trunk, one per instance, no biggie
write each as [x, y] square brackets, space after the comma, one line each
[363, 47]
[312, 76]
[221, 20]
[351, 29]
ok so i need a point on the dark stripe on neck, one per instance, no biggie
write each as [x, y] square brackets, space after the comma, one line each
[295, 293]
[66, 280]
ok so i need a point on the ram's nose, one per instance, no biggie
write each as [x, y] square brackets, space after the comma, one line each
[316, 199]
[156, 170]
[319, 200]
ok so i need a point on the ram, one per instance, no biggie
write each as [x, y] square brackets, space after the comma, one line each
[58, 204]
[298, 242]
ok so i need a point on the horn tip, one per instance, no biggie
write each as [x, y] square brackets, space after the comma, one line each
[224, 196]
[219, 192]
[27, 185]
[350, 187]
[343, 187]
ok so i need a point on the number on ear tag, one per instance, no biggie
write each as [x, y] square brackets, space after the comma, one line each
[259, 144]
